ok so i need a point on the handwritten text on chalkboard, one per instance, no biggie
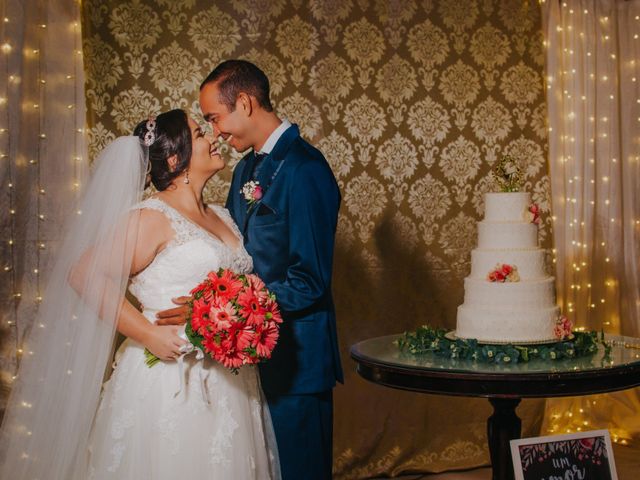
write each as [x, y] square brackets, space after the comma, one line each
[564, 458]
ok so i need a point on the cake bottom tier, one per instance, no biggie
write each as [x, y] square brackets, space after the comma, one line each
[507, 326]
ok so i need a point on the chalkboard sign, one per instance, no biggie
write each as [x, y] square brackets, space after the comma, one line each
[575, 456]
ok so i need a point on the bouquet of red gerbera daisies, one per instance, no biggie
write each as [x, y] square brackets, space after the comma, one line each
[233, 318]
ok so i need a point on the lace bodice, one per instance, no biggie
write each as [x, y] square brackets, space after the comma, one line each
[185, 261]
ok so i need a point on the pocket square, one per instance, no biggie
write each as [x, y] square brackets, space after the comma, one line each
[264, 209]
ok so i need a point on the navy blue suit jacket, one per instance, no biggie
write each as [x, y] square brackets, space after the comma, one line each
[290, 234]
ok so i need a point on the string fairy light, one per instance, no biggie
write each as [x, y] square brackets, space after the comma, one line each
[32, 100]
[571, 44]
[10, 261]
[76, 159]
[591, 203]
[41, 82]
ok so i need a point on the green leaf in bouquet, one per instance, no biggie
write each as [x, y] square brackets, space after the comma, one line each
[251, 351]
[149, 358]
[194, 338]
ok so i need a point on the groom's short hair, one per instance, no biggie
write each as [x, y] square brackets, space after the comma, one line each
[235, 76]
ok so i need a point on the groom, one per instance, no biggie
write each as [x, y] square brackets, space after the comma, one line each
[290, 234]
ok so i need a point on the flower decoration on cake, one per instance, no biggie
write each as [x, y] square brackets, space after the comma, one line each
[563, 327]
[504, 273]
[533, 214]
[508, 174]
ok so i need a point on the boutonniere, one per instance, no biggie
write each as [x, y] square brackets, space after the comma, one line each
[252, 192]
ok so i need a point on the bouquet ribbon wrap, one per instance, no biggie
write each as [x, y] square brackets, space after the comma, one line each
[187, 349]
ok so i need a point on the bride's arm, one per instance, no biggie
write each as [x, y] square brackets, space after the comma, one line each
[154, 232]
[163, 341]
[144, 235]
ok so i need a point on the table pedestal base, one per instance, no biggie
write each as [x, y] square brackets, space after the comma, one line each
[502, 426]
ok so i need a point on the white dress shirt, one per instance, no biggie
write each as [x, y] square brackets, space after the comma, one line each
[274, 137]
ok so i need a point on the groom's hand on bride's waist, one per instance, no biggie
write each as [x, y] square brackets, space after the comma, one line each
[174, 316]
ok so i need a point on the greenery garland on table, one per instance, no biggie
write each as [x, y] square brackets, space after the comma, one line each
[432, 340]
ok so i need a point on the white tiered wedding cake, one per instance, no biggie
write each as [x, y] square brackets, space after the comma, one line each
[509, 298]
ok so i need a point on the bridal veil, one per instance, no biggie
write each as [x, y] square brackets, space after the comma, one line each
[57, 390]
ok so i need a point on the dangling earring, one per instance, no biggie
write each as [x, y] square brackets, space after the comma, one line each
[186, 177]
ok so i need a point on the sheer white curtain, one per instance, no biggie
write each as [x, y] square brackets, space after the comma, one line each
[593, 80]
[42, 159]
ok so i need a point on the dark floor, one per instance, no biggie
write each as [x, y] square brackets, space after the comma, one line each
[627, 466]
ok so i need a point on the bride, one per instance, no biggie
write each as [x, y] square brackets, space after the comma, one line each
[179, 418]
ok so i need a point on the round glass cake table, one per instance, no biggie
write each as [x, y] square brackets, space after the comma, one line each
[380, 361]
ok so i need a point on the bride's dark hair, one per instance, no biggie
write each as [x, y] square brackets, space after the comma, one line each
[172, 137]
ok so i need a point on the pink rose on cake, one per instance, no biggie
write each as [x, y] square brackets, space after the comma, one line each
[504, 273]
[496, 276]
[563, 327]
[533, 214]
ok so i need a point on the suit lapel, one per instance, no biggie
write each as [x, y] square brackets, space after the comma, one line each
[269, 166]
[264, 176]
[245, 166]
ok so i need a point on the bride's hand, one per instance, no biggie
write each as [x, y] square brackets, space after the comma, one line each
[164, 342]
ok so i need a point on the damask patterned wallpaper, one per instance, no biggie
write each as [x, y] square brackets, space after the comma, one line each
[411, 102]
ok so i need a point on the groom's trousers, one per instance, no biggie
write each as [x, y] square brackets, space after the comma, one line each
[304, 432]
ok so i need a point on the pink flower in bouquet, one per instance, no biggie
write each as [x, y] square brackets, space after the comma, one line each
[257, 193]
[266, 339]
[240, 335]
[199, 313]
[222, 315]
[273, 311]
[258, 287]
[202, 290]
[255, 282]
[225, 286]
[230, 358]
[251, 308]
[212, 343]
[563, 327]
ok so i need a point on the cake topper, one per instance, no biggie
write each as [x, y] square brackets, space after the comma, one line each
[508, 175]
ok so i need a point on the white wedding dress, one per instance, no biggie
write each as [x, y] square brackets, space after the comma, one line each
[210, 424]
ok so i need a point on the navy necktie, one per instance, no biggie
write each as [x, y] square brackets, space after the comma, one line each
[259, 157]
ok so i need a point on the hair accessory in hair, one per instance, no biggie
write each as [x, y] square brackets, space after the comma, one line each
[150, 136]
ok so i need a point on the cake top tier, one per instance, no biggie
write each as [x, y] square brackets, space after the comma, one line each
[506, 206]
